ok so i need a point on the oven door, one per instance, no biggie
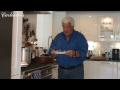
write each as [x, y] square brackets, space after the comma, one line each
[46, 73]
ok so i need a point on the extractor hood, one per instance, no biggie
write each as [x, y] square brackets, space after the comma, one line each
[36, 12]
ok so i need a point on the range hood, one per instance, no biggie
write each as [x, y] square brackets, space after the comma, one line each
[36, 12]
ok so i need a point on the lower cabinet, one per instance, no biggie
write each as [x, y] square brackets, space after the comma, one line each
[118, 70]
[55, 72]
[105, 70]
[101, 70]
[88, 69]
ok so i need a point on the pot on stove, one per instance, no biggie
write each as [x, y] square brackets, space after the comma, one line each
[26, 55]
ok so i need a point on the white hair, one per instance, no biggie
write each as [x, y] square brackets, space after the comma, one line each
[68, 20]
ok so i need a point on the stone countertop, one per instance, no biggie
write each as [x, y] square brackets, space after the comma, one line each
[103, 60]
[35, 65]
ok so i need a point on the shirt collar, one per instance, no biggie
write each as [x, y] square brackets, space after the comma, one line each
[70, 35]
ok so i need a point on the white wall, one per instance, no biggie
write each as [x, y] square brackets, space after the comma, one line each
[32, 19]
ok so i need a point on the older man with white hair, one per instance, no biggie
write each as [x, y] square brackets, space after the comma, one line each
[69, 48]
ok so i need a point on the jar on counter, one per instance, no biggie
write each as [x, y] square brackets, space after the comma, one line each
[36, 51]
[40, 51]
[33, 54]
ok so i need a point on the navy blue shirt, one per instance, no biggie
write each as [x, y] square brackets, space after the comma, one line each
[77, 42]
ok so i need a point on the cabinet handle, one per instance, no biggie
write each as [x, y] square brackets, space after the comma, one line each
[118, 34]
[29, 74]
[114, 34]
[105, 63]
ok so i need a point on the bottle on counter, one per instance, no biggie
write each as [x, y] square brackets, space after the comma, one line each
[36, 51]
[40, 51]
[106, 55]
[33, 54]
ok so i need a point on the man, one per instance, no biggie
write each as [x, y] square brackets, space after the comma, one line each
[76, 47]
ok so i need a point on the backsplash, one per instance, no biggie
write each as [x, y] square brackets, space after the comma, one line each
[99, 48]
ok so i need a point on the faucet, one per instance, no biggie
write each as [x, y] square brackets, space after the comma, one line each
[48, 40]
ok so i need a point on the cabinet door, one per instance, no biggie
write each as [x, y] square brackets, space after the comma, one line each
[105, 70]
[57, 25]
[55, 72]
[43, 29]
[118, 28]
[118, 70]
[88, 26]
[88, 70]
[76, 18]
[106, 27]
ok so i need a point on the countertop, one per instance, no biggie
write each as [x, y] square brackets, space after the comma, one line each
[104, 60]
[35, 65]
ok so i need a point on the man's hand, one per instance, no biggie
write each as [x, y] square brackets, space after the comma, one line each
[53, 53]
[70, 53]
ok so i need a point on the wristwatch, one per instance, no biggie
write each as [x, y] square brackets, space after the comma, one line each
[75, 54]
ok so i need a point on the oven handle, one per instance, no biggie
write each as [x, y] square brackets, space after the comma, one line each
[29, 74]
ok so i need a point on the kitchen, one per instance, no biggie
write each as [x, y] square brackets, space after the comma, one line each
[89, 23]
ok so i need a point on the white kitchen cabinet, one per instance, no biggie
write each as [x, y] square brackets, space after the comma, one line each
[55, 72]
[87, 25]
[43, 29]
[105, 70]
[118, 70]
[118, 28]
[76, 18]
[107, 27]
[88, 70]
[57, 19]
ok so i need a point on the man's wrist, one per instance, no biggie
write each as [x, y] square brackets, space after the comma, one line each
[74, 53]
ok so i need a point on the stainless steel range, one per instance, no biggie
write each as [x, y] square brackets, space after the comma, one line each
[39, 73]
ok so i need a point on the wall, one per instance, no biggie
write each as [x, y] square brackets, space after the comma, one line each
[32, 20]
[101, 47]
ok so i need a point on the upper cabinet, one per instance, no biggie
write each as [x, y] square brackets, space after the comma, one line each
[43, 29]
[76, 18]
[107, 27]
[118, 28]
[57, 19]
[87, 25]
[97, 26]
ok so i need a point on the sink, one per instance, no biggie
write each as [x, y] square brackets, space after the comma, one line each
[44, 59]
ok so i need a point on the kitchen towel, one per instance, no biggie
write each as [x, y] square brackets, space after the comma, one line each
[36, 75]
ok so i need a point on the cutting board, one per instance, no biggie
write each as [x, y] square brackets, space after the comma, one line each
[98, 58]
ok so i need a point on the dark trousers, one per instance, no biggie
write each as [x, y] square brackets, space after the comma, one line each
[75, 73]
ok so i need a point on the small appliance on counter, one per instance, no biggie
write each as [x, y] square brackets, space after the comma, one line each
[89, 54]
[115, 54]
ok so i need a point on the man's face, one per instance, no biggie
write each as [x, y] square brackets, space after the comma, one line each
[67, 29]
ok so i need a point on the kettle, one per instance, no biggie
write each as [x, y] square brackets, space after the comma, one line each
[89, 53]
[26, 55]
